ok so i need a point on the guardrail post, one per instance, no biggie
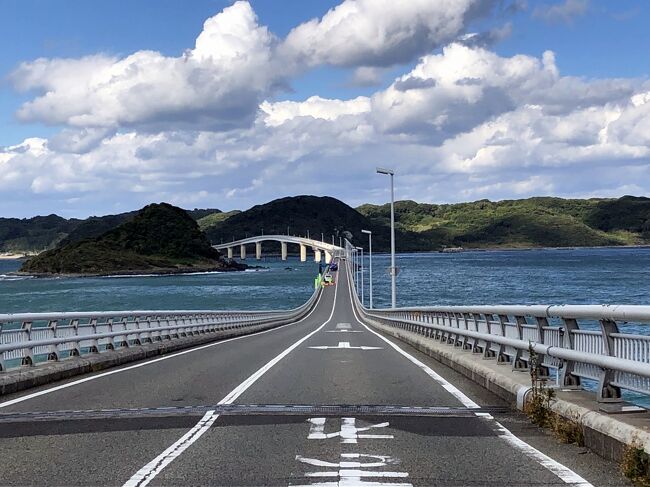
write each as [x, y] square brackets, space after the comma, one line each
[542, 370]
[110, 345]
[502, 356]
[488, 353]
[53, 350]
[75, 350]
[518, 363]
[476, 347]
[2, 361]
[460, 318]
[28, 358]
[566, 372]
[94, 345]
[606, 391]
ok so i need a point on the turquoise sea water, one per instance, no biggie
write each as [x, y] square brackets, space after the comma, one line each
[280, 285]
[580, 276]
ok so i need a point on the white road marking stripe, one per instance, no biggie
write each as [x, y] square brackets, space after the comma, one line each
[567, 475]
[147, 473]
[26, 397]
[344, 345]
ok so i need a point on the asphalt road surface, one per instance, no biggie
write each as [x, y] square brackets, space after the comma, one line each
[324, 401]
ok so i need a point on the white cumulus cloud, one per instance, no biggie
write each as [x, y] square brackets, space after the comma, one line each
[216, 85]
[380, 32]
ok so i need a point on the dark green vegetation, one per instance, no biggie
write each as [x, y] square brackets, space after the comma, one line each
[34, 234]
[532, 222]
[300, 215]
[46, 232]
[158, 238]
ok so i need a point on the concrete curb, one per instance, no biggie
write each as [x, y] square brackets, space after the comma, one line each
[26, 377]
[604, 434]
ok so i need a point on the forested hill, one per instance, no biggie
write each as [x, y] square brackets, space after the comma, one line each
[159, 238]
[532, 222]
[46, 232]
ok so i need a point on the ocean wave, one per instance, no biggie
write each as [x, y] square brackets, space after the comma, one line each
[10, 277]
[179, 274]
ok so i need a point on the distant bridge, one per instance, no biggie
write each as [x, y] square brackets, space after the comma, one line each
[319, 248]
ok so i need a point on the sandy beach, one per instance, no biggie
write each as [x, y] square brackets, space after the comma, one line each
[12, 256]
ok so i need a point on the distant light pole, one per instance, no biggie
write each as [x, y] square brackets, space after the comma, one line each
[322, 238]
[369, 233]
[360, 249]
[393, 272]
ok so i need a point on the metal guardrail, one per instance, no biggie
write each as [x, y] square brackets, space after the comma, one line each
[26, 339]
[574, 341]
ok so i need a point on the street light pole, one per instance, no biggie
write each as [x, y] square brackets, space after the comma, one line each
[393, 272]
[369, 233]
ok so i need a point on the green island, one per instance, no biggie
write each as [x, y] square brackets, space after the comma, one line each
[159, 239]
[420, 227]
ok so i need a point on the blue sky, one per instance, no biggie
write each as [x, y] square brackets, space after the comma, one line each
[236, 155]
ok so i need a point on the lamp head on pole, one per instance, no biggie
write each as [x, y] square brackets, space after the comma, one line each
[367, 232]
[382, 170]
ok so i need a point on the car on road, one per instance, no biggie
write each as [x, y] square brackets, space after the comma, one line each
[328, 280]
[334, 267]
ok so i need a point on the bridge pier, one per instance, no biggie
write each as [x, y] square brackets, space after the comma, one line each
[284, 250]
[258, 250]
[328, 257]
[317, 255]
[230, 252]
[303, 253]
[242, 251]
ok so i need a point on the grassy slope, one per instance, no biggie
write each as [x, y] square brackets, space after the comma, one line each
[213, 219]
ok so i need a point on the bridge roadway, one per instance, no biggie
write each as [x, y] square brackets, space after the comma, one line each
[317, 361]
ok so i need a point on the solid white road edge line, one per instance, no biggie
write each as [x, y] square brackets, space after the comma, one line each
[147, 473]
[567, 475]
[26, 397]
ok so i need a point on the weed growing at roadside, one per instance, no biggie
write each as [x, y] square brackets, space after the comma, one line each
[567, 430]
[635, 464]
[538, 408]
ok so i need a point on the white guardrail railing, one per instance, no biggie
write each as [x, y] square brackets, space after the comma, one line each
[574, 341]
[30, 338]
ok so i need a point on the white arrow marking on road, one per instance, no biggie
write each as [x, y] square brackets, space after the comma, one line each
[345, 345]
